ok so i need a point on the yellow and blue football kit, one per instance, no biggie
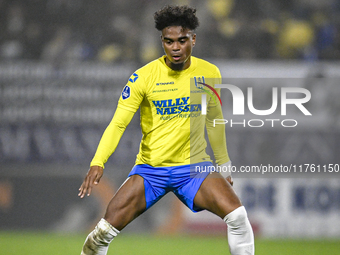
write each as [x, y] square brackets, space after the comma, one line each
[172, 125]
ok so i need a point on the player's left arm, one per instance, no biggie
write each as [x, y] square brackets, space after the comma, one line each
[216, 132]
[218, 141]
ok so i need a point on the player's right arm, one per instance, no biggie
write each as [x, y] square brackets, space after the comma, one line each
[129, 102]
[107, 145]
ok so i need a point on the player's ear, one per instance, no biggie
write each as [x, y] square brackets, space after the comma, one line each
[193, 39]
[162, 41]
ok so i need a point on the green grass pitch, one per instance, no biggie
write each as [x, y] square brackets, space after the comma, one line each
[15, 243]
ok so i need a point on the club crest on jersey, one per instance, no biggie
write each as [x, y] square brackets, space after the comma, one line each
[199, 81]
[126, 92]
[200, 84]
[133, 78]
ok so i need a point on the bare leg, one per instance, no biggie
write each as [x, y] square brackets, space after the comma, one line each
[217, 196]
[127, 204]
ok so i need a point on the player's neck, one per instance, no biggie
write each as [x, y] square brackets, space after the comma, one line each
[180, 66]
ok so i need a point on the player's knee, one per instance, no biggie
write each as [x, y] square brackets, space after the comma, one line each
[236, 218]
[121, 216]
[116, 221]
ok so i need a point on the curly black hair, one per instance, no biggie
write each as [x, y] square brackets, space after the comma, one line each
[183, 16]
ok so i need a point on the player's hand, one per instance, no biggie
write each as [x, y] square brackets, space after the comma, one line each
[230, 180]
[92, 178]
[225, 170]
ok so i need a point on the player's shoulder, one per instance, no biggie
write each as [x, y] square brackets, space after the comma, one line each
[155, 64]
[148, 69]
[203, 61]
[206, 65]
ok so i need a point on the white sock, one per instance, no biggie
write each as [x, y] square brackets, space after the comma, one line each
[240, 233]
[97, 242]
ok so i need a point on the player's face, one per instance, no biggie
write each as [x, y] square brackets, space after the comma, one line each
[178, 43]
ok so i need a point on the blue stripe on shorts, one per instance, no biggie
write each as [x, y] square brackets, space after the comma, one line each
[184, 181]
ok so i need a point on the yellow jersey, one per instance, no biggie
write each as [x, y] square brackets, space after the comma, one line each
[170, 110]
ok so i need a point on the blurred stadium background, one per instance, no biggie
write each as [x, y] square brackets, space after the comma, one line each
[63, 65]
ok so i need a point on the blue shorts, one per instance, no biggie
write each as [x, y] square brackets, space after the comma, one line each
[184, 181]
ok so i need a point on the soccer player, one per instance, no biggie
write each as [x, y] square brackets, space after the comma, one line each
[172, 153]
